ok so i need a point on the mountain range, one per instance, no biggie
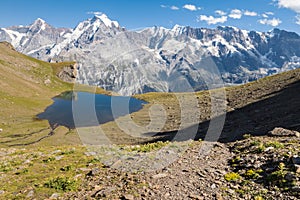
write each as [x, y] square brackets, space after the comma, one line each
[156, 58]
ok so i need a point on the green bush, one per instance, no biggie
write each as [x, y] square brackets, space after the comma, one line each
[149, 147]
[251, 174]
[247, 136]
[50, 159]
[275, 144]
[278, 177]
[66, 168]
[232, 176]
[62, 183]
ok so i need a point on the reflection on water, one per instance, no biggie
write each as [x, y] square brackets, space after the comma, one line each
[88, 109]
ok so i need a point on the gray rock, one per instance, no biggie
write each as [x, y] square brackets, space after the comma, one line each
[58, 157]
[68, 73]
[27, 161]
[84, 169]
[218, 196]
[281, 132]
[297, 168]
[158, 176]
[90, 153]
[30, 194]
[47, 82]
[198, 197]
[296, 160]
[231, 191]
[94, 172]
[296, 189]
[128, 197]
[56, 151]
[55, 196]
[290, 177]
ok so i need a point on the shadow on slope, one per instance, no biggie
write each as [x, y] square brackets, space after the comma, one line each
[280, 109]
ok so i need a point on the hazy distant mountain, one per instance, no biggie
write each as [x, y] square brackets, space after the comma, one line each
[156, 58]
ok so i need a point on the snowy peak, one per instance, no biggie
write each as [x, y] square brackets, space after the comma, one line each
[85, 33]
[39, 21]
[177, 29]
[106, 21]
[228, 29]
[39, 25]
[95, 24]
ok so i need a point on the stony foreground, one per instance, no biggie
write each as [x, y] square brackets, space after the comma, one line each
[254, 168]
[266, 167]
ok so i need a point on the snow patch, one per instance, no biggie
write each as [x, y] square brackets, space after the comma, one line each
[107, 21]
[177, 29]
[15, 36]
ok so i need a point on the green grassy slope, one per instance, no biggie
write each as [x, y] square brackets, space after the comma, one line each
[27, 86]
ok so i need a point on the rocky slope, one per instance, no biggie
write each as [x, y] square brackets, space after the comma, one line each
[254, 168]
[156, 58]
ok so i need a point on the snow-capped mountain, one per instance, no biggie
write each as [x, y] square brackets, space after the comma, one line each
[156, 58]
[34, 39]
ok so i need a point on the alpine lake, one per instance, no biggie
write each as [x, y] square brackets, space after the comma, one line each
[83, 109]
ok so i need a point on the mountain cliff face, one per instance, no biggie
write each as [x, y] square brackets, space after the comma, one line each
[156, 58]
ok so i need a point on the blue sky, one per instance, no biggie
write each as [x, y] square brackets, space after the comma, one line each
[261, 15]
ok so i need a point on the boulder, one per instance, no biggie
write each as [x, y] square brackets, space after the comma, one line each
[282, 132]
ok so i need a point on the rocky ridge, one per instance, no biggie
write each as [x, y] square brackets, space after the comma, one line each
[156, 58]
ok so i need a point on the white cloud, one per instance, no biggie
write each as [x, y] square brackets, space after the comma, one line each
[174, 8]
[250, 13]
[290, 4]
[271, 22]
[212, 20]
[220, 12]
[190, 7]
[236, 14]
[170, 7]
[269, 13]
[298, 19]
[94, 13]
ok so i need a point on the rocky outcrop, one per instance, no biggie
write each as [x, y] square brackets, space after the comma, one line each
[68, 73]
[281, 132]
